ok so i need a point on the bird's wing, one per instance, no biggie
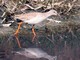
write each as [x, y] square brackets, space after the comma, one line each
[32, 15]
[27, 16]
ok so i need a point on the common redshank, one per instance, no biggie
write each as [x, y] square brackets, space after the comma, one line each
[32, 18]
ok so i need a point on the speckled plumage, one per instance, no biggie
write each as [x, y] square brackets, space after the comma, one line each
[35, 17]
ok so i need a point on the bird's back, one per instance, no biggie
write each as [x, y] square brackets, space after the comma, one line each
[26, 16]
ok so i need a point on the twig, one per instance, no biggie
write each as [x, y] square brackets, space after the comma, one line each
[3, 14]
[4, 2]
[29, 6]
[3, 20]
[70, 7]
[74, 1]
[58, 3]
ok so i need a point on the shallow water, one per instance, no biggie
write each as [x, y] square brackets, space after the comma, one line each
[62, 41]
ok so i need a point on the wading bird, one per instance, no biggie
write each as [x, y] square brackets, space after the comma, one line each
[32, 18]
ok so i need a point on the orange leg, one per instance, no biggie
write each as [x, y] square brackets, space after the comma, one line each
[34, 33]
[16, 34]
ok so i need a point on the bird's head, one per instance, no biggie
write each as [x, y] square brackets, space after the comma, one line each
[53, 12]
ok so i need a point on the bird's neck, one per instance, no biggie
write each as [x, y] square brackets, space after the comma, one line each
[47, 14]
